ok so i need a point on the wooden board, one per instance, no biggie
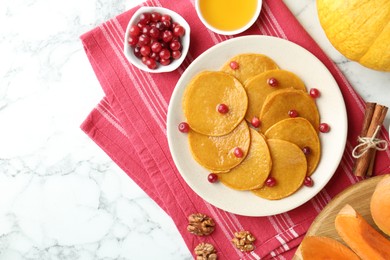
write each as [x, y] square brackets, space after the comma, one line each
[358, 196]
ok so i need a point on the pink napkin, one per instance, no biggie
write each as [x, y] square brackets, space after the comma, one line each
[129, 124]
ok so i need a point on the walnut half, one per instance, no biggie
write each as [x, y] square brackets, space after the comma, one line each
[200, 224]
[205, 251]
[243, 240]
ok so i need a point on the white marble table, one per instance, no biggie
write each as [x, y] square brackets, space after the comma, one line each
[61, 197]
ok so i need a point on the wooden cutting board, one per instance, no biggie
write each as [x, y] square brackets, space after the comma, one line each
[357, 195]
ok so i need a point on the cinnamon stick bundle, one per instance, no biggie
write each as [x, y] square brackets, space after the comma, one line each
[373, 118]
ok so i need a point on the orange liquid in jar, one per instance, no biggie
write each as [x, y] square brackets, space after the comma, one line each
[228, 15]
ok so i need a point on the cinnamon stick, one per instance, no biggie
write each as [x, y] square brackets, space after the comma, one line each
[372, 161]
[370, 107]
[362, 163]
[369, 111]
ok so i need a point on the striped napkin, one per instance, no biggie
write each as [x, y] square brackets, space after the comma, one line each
[129, 124]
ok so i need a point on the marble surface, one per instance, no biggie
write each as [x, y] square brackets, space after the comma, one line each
[61, 197]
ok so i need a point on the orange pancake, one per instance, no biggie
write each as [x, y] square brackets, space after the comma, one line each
[288, 168]
[216, 153]
[278, 104]
[258, 88]
[300, 132]
[252, 172]
[249, 65]
[202, 96]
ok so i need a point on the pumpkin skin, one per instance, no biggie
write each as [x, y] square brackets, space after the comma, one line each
[360, 30]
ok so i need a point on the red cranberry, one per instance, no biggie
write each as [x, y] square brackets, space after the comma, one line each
[145, 50]
[160, 26]
[212, 177]
[174, 24]
[155, 16]
[178, 30]
[324, 128]
[175, 45]
[165, 62]
[154, 33]
[156, 47]
[184, 127]
[140, 25]
[167, 36]
[146, 29]
[163, 45]
[137, 52]
[238, 152]
[165, 17]
[134, 30]
[143, 40]
[176, 54]
[144, 18]
[293, 113]
[272, 82]
[270, 182]
[308, 182]
[306, 150]
[234, 65]
[133, 41]
[165, 54]
[167, 24]
[255, 122]
[151, 63]
[154, 56]
[314, 93]
[222, 108]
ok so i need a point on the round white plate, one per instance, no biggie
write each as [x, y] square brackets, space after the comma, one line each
[288, 56]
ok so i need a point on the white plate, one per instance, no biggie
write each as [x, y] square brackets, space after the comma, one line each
[288, 56]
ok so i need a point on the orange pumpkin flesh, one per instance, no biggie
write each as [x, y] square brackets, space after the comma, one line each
[380, 205]
[318, 248]
[360, 236]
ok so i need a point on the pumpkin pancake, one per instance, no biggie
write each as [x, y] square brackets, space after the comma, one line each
[204, 93]
[258, 87]
[254, 170]
[288, 169]
[278, 104]
[216, 153]
[300, 132]
[249, 65]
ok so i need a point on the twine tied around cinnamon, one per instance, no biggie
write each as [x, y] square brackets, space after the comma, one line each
[366, 143]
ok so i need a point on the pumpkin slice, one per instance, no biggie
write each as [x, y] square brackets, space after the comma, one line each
[360, 236]
[248, 65]
[278, 104]
[258, 88]
[360, 30]
[380, 204]
[216, 153]
[322, 248]
[288, 169]
[202, 96]
[254, 170]
[300, 132]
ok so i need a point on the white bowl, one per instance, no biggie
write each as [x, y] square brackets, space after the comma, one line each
[185, 40]
[223, 32]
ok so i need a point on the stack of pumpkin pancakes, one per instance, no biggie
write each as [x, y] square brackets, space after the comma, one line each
[245, 155]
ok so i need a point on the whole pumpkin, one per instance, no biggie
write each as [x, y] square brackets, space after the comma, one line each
[358, 29]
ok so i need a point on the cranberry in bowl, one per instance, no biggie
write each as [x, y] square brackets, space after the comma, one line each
[156, 39]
